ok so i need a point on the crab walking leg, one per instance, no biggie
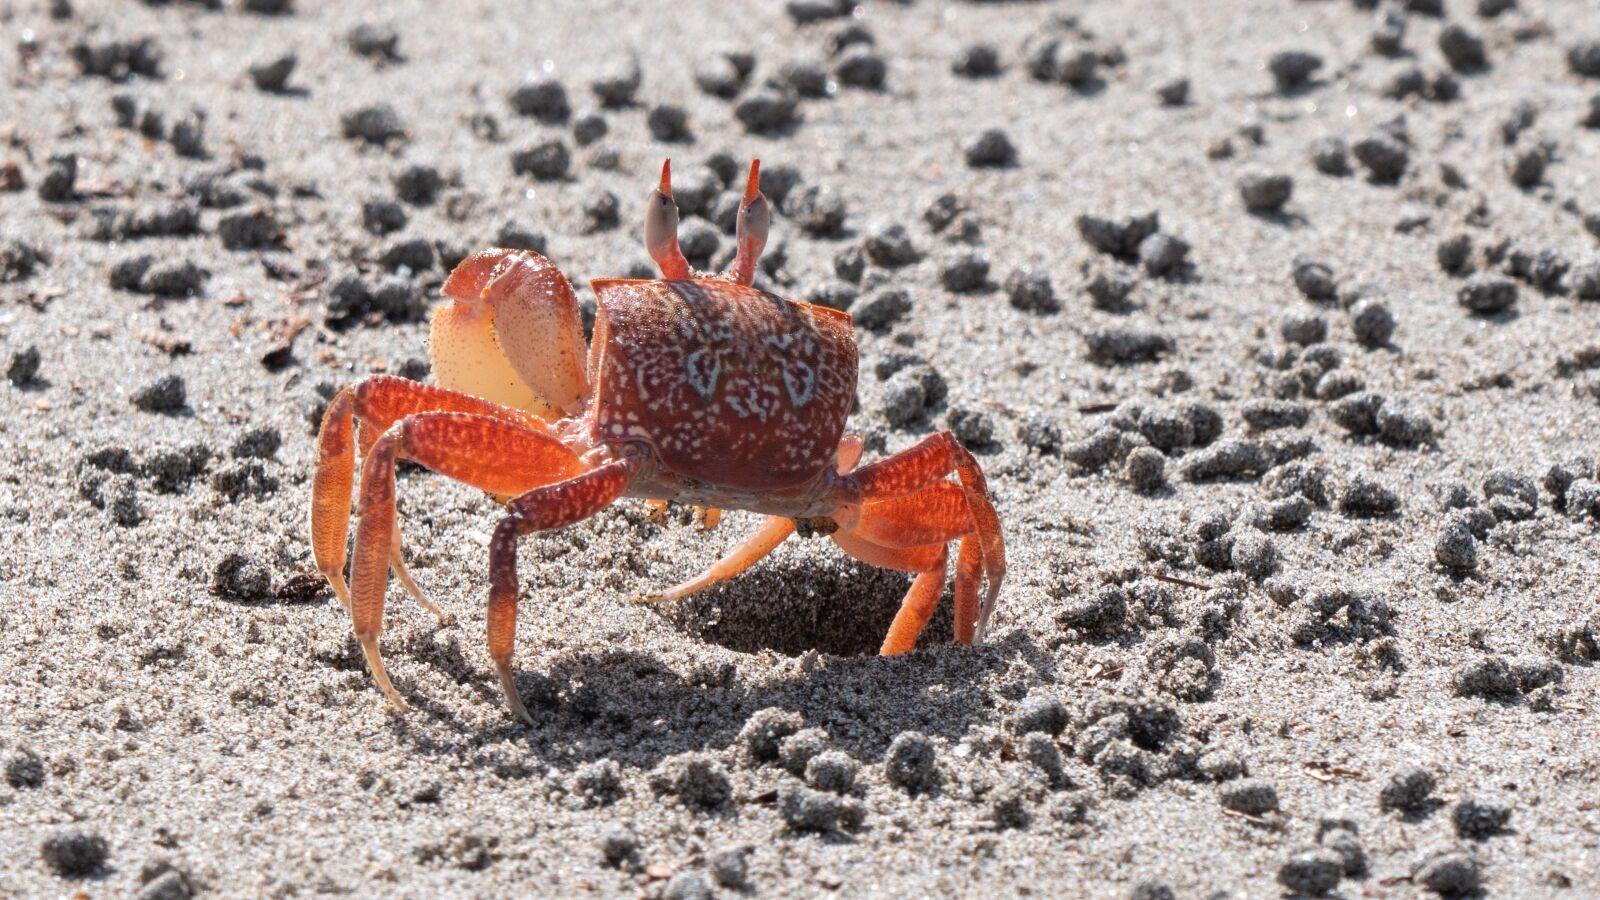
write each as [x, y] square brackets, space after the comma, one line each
[485, 452]
[916, 609]
[773, 531]
[969, 572]
[397, 565]
[376, 403]
[542, 509]
[925, 463]
[330, 492]
[382, 400]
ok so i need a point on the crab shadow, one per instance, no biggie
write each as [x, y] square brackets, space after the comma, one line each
[632, 707]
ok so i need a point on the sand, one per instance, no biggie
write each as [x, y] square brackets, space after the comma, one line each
[1193, 681]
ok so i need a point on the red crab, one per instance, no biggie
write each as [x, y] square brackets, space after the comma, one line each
[696, 388]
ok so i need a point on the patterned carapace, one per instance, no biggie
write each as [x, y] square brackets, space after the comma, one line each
[728, 384]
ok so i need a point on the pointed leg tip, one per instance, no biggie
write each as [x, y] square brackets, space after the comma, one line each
[508, 686]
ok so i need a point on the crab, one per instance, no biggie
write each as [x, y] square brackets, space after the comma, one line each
[696, 388]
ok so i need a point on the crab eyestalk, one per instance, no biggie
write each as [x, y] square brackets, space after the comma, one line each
[755, 216]
[661, 229]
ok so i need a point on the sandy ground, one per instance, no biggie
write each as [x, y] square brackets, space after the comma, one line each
[182, 711]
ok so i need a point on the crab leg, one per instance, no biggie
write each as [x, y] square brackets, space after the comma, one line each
[377, 403]
[747, 553]
[541, 509]
[916, 609]
[488, 453]
[905, 502]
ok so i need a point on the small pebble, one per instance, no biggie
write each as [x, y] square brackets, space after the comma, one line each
[589, 129]
[1109, 288]
[1384, 158]
[1265, 194]
[1254, 555]
[991, 149]
[909, 762]
[377, 42]
[1367, 498]
[687, 885]
[669, 124]
[1330, 156]
[415, 254]
[1448, 874]
[1314, 280]
[619, 846]
[1477, 819]
[797, 750]
[77, 854]
[1174, 92]
[1372, 323]
[729, 868]
[719, 77]
[1162, 254]
[965, 272]
[377, 124]
[1292, 69]
[165, 394]
[1119, 345]
[831, 770]
[1251, 796]
[882, 310]
[805, 77]
[272, 75]
[1303, 329]
[60, 179]
[1526, 168]
[250, 230]
[1486, 294]
[1267, 415]
[1312, 873]
[24, 367]
[1462, 49]
[418, 185]
[1584, 58]
[765, 731]
[977, 61]
[240, 577]
[891, 247]
[972, 427]
[805, 809]
[615, 88]
[1031, 291]
[1039, 713]
[861, 67]
[766, 111]
[1454, 253]
[543, 99]
[1408, 790]
[545, 161]
[1456, 549]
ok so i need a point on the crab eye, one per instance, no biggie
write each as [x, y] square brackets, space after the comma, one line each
[660, 224]
[755, 218]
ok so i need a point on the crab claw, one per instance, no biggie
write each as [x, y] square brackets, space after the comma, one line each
[512, 334]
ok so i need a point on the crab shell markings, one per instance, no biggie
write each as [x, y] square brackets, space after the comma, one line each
[695, 388]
